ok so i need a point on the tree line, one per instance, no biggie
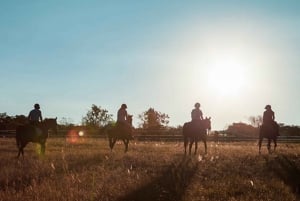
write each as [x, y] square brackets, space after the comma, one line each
[95, 119]
[151, 121]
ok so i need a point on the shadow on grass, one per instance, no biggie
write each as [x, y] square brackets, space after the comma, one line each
[169, 187]
[288, 171]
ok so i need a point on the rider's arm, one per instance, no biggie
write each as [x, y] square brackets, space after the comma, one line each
[41, 118]
[201, 115]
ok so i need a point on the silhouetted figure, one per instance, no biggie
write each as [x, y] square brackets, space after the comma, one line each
[35, 115]
[122, 114]
[28, 133]
[269, 119]
[122, 119]
[269, 128]
[197, 113]
[193, 132]
[269, 115]
[197, 116]
[121, 131]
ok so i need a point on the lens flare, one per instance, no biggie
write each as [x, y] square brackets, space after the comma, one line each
[72, 137]
[81, 133]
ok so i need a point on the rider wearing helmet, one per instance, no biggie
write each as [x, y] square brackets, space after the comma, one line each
[122, 120]
[269, 115]
[269, 119]
[35, 115]
[196, 113]
[122, 114]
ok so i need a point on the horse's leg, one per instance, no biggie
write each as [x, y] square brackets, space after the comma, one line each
[21, 148]
[43, 148]
[205, 145]
[269, 145]
[110, 143]
[196, 146]
[20, 151]
[126, 141]
[114, 140]
[191, 144]
[275, 143]
[259, 144]
[185, 143]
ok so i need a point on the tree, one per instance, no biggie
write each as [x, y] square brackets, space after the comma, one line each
[3, 115]
[21, 119]
[256, 121]
[96, 117]
[242, 130]
[153, 119]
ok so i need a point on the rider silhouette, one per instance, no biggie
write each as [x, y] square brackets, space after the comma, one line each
[122, 114]
[122, 119]
[196, 113]
[269, 115]
[35, 115]
[197, 116]
[269, 119]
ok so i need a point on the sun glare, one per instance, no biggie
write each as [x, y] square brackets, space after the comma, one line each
[226, 77]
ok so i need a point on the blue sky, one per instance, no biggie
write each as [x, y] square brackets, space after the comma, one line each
[233, 57]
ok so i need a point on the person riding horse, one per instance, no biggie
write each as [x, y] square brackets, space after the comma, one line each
[35, 115]
[122, 119]
[196, 129]
[35, 118]
[122, 130]
[269, 122]
[269, 129]
[197, 115]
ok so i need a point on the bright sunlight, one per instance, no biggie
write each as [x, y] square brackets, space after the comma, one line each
[226, 77]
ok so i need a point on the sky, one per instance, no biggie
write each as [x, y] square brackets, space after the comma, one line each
[233, 57]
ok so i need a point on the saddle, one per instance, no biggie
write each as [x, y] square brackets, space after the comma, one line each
[271, 127]
[124, 128]
[36, 129]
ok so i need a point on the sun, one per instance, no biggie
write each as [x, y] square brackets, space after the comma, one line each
[226, 77]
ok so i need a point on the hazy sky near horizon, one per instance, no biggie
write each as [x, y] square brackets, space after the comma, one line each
[233, 57]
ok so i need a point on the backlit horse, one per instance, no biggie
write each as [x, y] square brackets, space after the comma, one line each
[120, 132]
[195, 131]
[37, 134]
[271, 132]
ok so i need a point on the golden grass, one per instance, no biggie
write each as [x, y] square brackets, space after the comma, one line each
[87, 170]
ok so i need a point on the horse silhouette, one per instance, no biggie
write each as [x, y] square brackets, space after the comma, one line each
[37, 134]
[271, 132]
[195, 131]
[120, 131]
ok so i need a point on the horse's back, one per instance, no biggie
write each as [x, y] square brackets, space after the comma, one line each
[193, 129]
[28, 133]
[186, 128]
[22, 134]
[120, 132]
[268, 131]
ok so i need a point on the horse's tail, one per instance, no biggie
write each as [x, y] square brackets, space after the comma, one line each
[184, 129]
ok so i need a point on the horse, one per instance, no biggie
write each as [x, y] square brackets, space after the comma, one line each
[120, 131]
[37, 134]
[195, 131]
[271, 132]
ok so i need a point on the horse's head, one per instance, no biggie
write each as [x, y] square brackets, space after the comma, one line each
[207, 123]
[129, 119]
[51, 123]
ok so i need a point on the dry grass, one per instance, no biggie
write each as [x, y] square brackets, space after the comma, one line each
[87, 170]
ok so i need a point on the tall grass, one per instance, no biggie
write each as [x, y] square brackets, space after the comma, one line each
[87, 170]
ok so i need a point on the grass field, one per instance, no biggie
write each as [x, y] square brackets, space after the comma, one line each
[87, 170]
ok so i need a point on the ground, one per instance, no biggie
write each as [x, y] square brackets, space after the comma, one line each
[86, 169]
